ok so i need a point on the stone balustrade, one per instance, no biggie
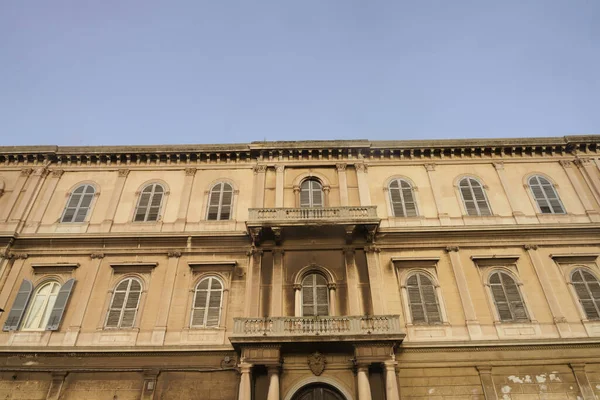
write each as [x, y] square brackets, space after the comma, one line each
[338, 326]
[312, 213]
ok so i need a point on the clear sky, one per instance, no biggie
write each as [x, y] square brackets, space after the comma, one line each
[107, 72]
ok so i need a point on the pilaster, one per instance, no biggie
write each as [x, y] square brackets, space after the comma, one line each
[160, 327]
[260, 173]
[591, 174]
[437, 195]
[581, 194]
[353, 297]
[15, 193]
[487, 383]
[184, 202]
[514, 204]
[342, 183]
[277, 285]
[463, 289]
[279, 182]
[583, 382]
[48, 192]
[375, 280]
[363, 184]
[114, 199]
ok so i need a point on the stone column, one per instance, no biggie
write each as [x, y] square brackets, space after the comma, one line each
[273, 371]
[27, 200]
[160, 327]
[184, 202]
[11, 278]
[581, 194]
[375, 282]
[332, 305]
[55, 389]
[245, 392]
[487, 383]
[277, 285]
[16, 192]
[38, 214]
[542, 274]
[251, 307]
[297, 300]
[362, 376]
[343, 184]
[353, 295]
[437, 195]
[279, 182]
[591, 173]
[463, 290]
[114, 200]
[87, 283]
[583, 382]
[514, 204]
[363, 184]
[391, 381]
[260, 173]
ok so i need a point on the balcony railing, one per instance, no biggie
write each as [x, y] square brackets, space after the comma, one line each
[312, 213]
[313, 327]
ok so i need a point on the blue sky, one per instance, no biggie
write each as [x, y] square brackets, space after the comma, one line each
[155, 72]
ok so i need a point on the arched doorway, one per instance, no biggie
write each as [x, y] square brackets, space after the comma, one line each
[318, 391]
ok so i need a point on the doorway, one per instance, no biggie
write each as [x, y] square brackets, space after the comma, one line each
[318, 391]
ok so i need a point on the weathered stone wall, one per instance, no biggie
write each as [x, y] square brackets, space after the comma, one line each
[102, 386]
[548, 382]
[440, 383]
[24, 385]
[197, 386]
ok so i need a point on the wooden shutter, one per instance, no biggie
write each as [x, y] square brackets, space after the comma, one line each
[207, 303]
[305, 194]
[19, 306]
[213, 202]
[143, 203]
[131, 304]
[316, 194]
[587, 288]
[545, 195]
[149, 204]
[422, 298]
[60, 305]
[474, 197]
[124, 304]
[200, 298]
[155, 202]
[402, 199]
[414, 299]
[308, 296]
[214, 303]
[507, 298]
[315, 295]
[226, 202]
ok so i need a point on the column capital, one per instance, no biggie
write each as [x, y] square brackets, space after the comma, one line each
[259, 169]
[429, 166]
[123, 173]
[484, 369]
[348, 250]
[332, 286]
[390, 364]
[451, 249]
[362, 366]
[26, 171]
[18, 256]
[297, 286]
[273, 369]
[498, 165]
[173, 254]
[278, 251]
[245, 367]
[96, 256]
[361, 167]
[578, 367]
[530, 246]
[582, 162]
[190, 171]
[566, 163]
[372, 249]
[279, 169]
[341, 167]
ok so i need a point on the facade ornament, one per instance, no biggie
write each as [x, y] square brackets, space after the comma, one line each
[297, 286]
[372, 248]
[280, 168]
[174, 254]
[18, 256]
[340, 167]
[450, 249]
[530, 246]
[190, 171]
[57, 173]
[255, 235]
[429, 167]
[123, 173]
[332, 286]
[96, 256]
[277, 231]
[42, 172]
[316, 363]
[498, 165]
[278, 251]
[26, 171]
[582, 162]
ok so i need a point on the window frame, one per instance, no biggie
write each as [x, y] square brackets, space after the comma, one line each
[47, 310]
[577, 299]
[113, 293]
[534, 199]
[311, 192]
[462, 198]
[161, 207]
[314, 288]
[70, 195]
[418, 273]
[220, 205]
[494, 305]
[413, 190]
[222, 291]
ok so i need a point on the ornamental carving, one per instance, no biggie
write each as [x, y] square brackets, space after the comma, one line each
[340, 167]
[96, 256]
[190, 171]
[123, 173]
[26, 171]
[450, 249]
[260, 169]
[316, 363]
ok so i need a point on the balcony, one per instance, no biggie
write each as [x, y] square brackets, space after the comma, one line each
[316, 329]
[289, 216]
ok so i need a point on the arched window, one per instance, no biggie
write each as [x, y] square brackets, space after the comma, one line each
[220, 202]
[587, 288]
[149, 203]
[206, 311]
[79, 203]
[545, 195]
[402, 198]
[311, 193]
[40, 306]
[474, 197]
[315, 295]
[507, 297]
[424, 307]
[124, 304]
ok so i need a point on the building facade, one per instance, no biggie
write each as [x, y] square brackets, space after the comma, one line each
[460, 269]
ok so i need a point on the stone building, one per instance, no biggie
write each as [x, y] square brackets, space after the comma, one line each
[455, 269]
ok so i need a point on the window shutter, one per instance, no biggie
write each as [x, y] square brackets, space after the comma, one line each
[396, 199]
[545, 195]
[507, 297]
[500, 298]
[409, 199]
[19, 306]
[322, 300]
[308, 297]
[213, 203]
[514, 298]
[414, 299]
[482, 203]
[474, 197]
[432, 310]
[468, 199]
[305, 194]
[317, 194]
[587, 288]
[60, 305]
[226, 202]
[148, 208]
